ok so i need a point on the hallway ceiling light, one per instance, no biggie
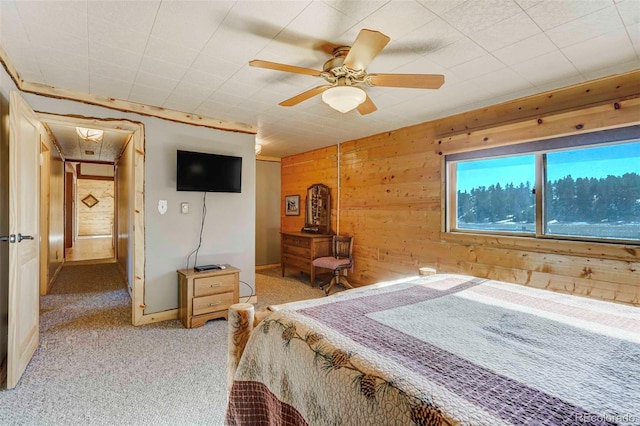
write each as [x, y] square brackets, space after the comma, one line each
[89, 135]
[258, 148]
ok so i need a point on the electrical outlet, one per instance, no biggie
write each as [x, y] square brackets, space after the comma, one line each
[184, 208]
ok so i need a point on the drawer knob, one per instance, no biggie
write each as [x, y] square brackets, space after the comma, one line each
[214, 304]
[214, 285]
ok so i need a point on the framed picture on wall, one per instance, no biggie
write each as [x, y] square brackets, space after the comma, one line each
[292, 205]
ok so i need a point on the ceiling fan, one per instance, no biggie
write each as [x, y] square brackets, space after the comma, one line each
[346, 71]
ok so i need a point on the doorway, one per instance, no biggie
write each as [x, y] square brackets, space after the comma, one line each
[91, 212]
[120, 146]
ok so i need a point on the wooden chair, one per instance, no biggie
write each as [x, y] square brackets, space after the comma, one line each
[342, 259]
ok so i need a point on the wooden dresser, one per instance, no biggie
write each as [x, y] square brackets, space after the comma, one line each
[298, 250]
[206, 295]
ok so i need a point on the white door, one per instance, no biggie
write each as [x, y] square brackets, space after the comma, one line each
[24, 303]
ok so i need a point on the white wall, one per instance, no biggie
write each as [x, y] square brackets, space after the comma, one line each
[229, 232]
[267, 212]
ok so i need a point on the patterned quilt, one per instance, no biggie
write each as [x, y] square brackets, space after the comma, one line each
[441, 350]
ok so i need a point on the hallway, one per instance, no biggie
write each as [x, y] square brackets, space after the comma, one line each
[90, 249]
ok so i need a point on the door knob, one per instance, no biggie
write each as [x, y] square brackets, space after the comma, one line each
[11, 238]
[24, 237]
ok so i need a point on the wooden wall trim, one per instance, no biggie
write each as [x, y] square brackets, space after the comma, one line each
[139, 250]
[93, 177]
[121, 105]
[592, 93]
[602, 117]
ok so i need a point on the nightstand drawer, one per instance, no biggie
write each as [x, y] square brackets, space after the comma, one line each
[218, 302]
[213, 285]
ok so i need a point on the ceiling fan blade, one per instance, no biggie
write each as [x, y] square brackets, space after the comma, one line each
[283, 67]
[366, 47]
[304, 96]
[367, 107]
[416, 81]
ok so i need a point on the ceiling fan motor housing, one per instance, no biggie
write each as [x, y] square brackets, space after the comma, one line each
[336, 73]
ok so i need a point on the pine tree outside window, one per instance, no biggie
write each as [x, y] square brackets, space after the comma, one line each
[584, 187]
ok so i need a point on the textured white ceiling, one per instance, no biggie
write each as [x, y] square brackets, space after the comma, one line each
[192, 56]
[77, 149]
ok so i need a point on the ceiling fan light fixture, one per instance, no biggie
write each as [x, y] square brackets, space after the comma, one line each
[344, 98]
[89, 135]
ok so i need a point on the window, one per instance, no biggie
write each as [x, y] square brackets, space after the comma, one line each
[577, 187]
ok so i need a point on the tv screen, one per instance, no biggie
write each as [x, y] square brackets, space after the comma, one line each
[198, 171]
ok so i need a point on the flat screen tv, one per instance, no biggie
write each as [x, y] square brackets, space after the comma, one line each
[202, 172]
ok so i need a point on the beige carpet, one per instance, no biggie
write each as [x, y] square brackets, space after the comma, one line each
[94, 368]
[272, 288]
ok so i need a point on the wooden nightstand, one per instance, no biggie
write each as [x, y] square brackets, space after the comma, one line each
[207, 295]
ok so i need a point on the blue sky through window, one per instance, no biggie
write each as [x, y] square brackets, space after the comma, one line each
[477, 173]
[598, 162]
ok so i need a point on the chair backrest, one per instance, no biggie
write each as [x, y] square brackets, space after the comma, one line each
[342, 247]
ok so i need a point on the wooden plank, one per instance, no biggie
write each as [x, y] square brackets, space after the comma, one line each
[625, 252]
[592, 93]
[569, 123]
[570, 285]
[415, 168]
[406, 195]
[614, 271]
[99, 218]
[137, 108]
[375, 147]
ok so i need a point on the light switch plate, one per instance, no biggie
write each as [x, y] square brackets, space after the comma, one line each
[162, 206]
[184, 208]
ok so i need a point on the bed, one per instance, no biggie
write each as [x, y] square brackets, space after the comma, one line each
[440, 350]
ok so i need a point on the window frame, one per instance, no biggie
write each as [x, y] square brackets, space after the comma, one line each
[538, 148]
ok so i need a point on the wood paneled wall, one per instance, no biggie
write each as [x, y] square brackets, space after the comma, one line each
[99, 219]
[54, 196]
[392, 196]
[124, 215]
[300, 172]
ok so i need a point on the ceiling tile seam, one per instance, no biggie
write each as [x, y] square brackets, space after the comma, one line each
[200, 53]
[284, 27]
[575, 19]
[484, 27]
[463, 35]
[365, 17]
[626, 30]
[558, 49]
[258, 53]
[561, 50]
[146, 46]
[357, 22]
[30, 43]
[88, 59]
